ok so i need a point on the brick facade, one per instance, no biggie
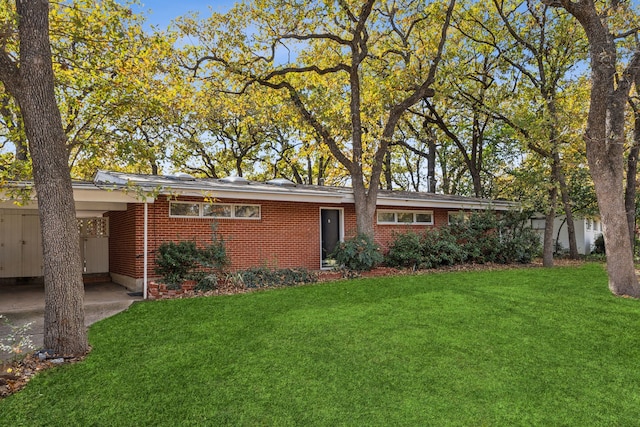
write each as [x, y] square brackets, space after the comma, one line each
[286, 235]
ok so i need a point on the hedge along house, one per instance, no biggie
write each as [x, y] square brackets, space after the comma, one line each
[276, 223]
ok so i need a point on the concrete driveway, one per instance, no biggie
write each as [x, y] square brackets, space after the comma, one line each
[25, 303]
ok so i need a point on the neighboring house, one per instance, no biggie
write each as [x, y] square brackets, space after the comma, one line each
[123, 218]
[587, 231]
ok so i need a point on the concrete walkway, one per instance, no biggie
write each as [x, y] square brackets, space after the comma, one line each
[25, 303]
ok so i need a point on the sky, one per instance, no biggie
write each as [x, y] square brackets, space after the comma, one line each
[160, 12]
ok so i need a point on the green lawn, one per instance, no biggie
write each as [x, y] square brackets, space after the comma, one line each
[516, 347]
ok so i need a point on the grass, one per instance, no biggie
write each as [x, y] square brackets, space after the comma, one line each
[516, 347]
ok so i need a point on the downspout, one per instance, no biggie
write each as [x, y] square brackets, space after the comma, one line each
[145, 248]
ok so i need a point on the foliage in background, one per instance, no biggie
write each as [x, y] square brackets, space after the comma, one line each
[483, 237]
[359, 253]
[598, 245]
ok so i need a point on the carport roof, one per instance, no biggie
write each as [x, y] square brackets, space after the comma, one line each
[90, 200]
[145, 187]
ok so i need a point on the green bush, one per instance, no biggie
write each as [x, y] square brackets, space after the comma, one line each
[184, 260]
[440, 248]
[359, 253]
[175, 261]
[598, 245]
[205, 281]
[483, 237]
[405, 250]
[478, 238]
[518, 242]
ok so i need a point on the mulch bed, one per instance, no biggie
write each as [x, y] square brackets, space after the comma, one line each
[14, 375]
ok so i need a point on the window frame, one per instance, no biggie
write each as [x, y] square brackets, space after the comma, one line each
[396, 214]
[232, 207]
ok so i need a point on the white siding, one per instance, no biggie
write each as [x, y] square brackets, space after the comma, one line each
[585, 237]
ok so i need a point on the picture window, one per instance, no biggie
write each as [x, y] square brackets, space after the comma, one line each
[214, 210]
[405, 217]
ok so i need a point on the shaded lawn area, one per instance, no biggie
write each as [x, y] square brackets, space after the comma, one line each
[514, 347]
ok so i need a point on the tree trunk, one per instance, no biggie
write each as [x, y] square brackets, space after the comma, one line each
[608, 183]
[604, 138]
[548, 246]
[630, 190]
[431, 166]
[388, 180]
[64, 329]
[632, 171]
[365, 205]
[566, 204]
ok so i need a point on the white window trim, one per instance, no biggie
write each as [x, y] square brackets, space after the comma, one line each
[201, 210]
[395, 216]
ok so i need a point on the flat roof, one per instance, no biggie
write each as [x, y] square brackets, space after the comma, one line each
[183, 184]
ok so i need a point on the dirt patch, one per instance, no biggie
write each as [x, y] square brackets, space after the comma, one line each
[14, 375]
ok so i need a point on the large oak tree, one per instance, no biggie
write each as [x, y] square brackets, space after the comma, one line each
[353, 70]
[29, 79]
[604, 136]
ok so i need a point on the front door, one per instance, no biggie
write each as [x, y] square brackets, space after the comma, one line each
[331, 231]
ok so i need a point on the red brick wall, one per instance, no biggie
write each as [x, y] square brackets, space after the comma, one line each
[123, 240]
[286, 235]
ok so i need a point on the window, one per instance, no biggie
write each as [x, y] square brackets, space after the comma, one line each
[405, 217]
[386, 217]
[217, 211]
[247, 211]
[185, 209]
[458, 216]
[211, 210]
[588, 224]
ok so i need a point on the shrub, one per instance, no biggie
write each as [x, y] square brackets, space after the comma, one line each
[481, 238]
[176, 261]
[518, 242]
[261, 277]
[184, 260]
[440, 248]
[477, 237]
[598, 245]
[359, 253]
[405, 250]
[205, 281]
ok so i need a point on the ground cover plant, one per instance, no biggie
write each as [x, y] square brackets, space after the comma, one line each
[513, 347]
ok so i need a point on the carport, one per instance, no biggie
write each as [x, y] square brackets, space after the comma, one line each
[20, 239]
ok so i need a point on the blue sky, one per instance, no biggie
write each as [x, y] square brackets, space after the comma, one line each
[161, 12]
